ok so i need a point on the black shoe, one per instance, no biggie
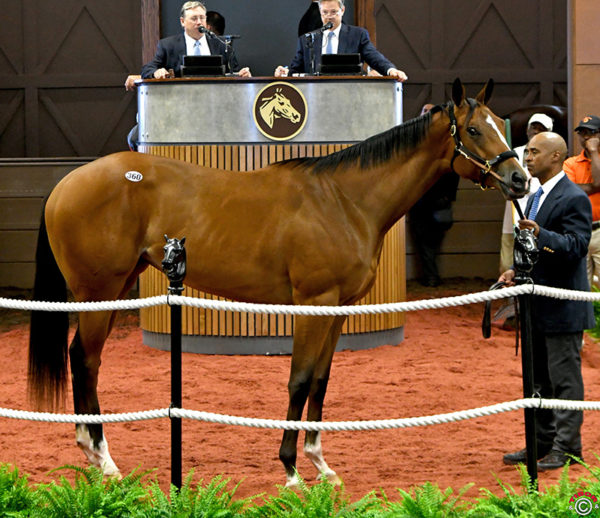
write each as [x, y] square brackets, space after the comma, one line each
[556, 459]
[520, 457]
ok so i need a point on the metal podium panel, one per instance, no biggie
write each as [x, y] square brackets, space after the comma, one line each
[338, 110]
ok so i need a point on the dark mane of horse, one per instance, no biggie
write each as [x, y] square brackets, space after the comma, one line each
[372, 151]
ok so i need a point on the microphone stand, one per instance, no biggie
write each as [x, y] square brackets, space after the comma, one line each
[310, 42]
[226, 40]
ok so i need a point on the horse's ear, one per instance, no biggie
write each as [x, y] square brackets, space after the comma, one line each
[166, 238]
[484, 96]
[458, 92]
[182, 241]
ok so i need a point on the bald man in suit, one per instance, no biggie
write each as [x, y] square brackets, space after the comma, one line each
[560, 215]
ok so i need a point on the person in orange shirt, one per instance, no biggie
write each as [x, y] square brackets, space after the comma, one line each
[584, 170]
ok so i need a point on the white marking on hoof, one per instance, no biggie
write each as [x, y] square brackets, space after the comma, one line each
[314, 452]
[99, 457]
[293, 481]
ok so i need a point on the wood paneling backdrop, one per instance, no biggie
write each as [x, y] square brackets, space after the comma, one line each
[62, 68]
[63, 64]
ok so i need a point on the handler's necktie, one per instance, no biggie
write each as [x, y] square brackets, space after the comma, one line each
[329, 48]
[197, 48]
[535, 204]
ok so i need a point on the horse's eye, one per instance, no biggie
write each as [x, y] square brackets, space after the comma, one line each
[473, 131]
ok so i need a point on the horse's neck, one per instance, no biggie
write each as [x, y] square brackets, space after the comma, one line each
[390, 189]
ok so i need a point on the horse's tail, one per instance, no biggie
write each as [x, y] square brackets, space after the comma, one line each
[49, 331]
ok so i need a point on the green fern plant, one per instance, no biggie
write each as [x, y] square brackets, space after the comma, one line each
[321, 500]
[91, 495]
[15, 494]
[212, 500]
[427, 501]
[529, 503]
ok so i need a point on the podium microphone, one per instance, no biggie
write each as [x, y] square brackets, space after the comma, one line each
[325, 27]
[204, 30]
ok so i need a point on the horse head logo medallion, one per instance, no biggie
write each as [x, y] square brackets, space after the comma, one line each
[280, 111]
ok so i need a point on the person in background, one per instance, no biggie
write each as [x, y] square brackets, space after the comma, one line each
[560, 216]
[170, 51]
[215, 22]
[429, 219]
[584, 170]
[340, 39]
[311, 19]
[537, 123]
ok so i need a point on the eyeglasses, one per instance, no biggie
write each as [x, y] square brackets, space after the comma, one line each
[330, 13]
[197, 18]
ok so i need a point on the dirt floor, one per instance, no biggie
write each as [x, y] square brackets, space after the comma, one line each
[443, 365]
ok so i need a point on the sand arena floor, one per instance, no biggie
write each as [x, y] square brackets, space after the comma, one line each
[443, 365]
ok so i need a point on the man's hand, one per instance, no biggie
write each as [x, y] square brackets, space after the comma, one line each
[281, 71]
[130, 82]
[592, 143]
[162, 73]
[244, 72]
[508, 277]
[530, 224]
[398, 74]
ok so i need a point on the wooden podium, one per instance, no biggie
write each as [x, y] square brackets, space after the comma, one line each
[245, 124]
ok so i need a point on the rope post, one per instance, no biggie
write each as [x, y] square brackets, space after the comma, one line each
[174, 267]
[525, 256]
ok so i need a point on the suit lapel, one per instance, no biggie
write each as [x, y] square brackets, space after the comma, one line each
[552, 200]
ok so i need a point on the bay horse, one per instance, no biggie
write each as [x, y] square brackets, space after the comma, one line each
[302, 231]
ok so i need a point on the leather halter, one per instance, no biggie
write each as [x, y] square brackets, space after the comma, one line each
[485, 166]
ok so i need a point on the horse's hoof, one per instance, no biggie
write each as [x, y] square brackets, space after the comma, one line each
[292, 482]
[332, 478]
[115, 475]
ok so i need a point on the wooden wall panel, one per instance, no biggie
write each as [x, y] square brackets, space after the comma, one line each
[62, 65]
[522, 45]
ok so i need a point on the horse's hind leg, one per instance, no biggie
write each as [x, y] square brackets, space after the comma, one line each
[84, 353]
[310, 334]
[312, 442]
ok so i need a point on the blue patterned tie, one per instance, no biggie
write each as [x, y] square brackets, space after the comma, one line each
[329, 48]
[535, 204]
[197, 48]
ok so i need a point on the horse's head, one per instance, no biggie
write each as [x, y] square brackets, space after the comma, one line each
[173, 263]
[481, 152]
[278, 106]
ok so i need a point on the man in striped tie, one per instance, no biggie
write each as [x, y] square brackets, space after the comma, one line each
[560, 216]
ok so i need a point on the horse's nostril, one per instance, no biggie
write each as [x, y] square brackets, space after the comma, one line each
[517, 179]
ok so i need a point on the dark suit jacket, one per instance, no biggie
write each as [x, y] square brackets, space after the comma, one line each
[170, 52]
[352, 39]
[565, 220]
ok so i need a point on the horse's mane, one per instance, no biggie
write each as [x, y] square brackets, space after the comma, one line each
[374, 150]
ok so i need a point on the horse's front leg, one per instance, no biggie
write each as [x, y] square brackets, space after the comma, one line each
[312, 443]
[309, 338]
[84, 355]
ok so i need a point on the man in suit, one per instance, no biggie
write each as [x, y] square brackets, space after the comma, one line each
[560, 216]
[340, 39]
[170, 51]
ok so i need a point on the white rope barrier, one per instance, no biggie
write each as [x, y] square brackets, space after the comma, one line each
[223, 305]
[332, 426]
